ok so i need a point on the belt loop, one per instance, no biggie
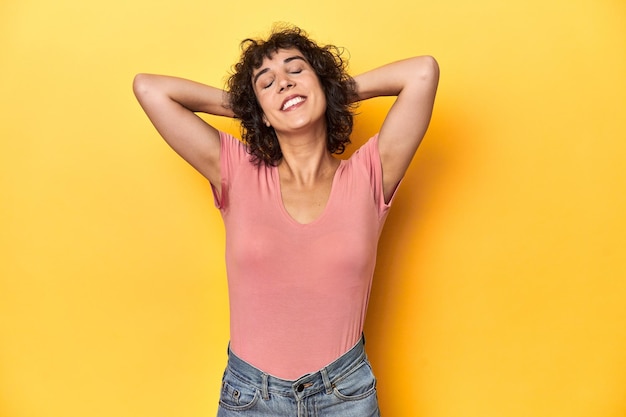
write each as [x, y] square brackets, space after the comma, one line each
[264, 390]
[327, 384]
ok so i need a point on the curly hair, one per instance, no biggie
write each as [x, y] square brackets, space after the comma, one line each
[331, 69]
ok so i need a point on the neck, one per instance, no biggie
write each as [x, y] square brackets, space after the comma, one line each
[305, 158]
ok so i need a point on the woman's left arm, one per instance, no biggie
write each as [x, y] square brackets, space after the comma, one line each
[414, 82]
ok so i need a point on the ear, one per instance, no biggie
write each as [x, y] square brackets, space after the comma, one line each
[267, 122]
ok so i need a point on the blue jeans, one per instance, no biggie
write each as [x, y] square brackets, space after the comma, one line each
[346, 388]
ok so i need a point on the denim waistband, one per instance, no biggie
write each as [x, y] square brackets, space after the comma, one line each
[321, 380]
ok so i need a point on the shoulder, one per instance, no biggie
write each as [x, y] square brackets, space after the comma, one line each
[368, 154]
[232, 148]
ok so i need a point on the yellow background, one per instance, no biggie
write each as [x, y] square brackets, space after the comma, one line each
[501, 284]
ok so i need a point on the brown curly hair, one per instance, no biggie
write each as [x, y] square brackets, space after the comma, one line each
[331, 69]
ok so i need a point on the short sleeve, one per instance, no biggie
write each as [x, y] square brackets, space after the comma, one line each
[232, 155]
[368, 158]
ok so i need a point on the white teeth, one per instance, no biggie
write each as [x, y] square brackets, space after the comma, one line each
[292, 102]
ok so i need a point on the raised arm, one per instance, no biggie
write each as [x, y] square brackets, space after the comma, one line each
[414, 82]
[171, 104]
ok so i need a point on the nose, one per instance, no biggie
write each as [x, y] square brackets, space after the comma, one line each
[285, 83]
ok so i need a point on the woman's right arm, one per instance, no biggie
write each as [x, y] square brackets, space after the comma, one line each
[171, 104]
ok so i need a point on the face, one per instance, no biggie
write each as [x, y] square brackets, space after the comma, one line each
[289, 92]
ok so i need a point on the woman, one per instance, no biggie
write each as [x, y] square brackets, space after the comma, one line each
[301, 225]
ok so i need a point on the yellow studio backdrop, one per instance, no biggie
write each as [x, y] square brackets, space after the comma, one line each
[501, 283]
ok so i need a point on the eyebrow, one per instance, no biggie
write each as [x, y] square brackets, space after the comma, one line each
[285, 61]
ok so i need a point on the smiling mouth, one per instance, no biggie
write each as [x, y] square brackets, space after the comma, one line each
[292, 102]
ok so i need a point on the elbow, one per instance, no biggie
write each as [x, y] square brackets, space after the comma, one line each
[427, 69]
[425, 74]
[138, 83]
[141, 84]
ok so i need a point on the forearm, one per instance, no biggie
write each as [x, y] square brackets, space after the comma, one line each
[393, 78]
[192, 95]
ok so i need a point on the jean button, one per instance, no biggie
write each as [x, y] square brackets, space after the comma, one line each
[300, 388]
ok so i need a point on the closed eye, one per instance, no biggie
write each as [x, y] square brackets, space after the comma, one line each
[267, 82]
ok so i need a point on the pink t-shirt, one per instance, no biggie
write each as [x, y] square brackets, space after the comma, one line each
[298, 292]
